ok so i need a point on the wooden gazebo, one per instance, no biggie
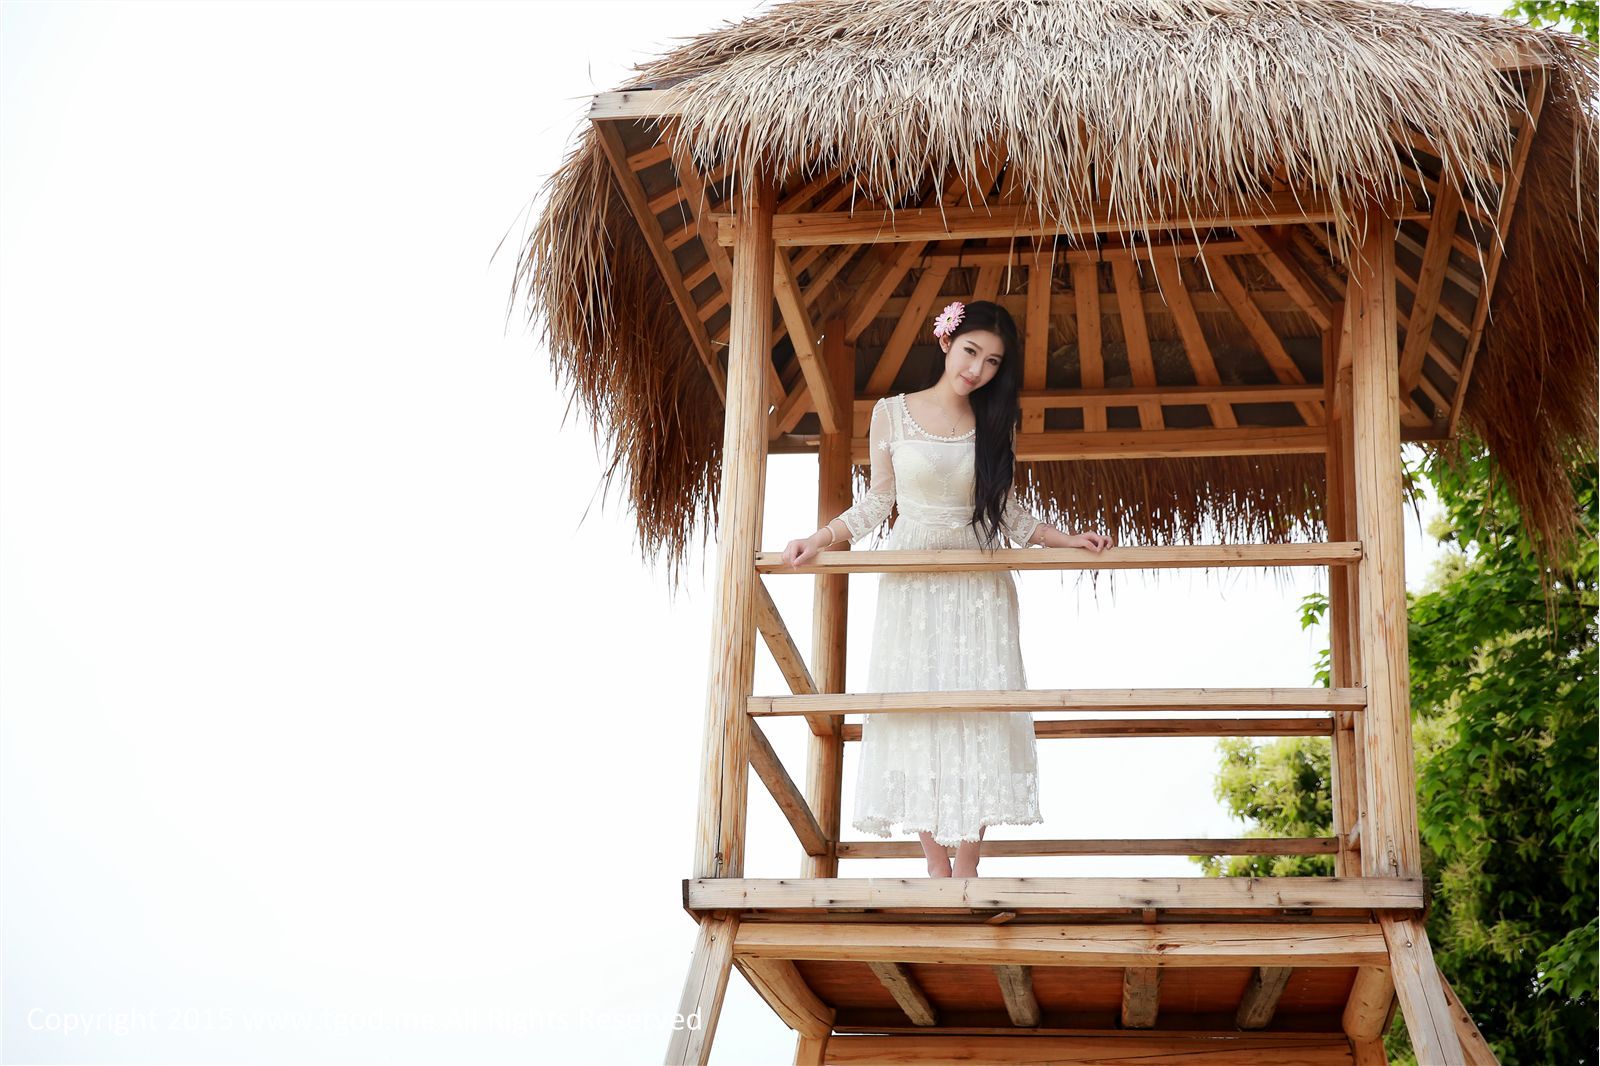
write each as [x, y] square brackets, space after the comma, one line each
[1253, 247]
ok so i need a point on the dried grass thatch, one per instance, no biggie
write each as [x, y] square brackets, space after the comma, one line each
[1158, 104]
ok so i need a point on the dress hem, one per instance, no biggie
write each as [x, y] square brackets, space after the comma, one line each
[882, 827]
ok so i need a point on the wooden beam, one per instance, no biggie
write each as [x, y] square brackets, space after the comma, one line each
[1036, 342]
[791, 664]
[700, 1005]
[1136, 338]
[1016, 988]
[908, 330]
[1508, 203]
[1131, 1048]
[1474, 1047]
[1195, 345]
[1367, 1011]
[779, 982]
[830, 602]
[610, 140]
[1185, 944]
[725, 758]
[1268, 343]
[1086, 728]
[832, 409]
[1019, 253]
[1261, 996]
[1390, 841]
[1163, 443]
[1041, 700]
[1343, 634]
[1141, 996]
[1270, 895]
[1430, 283]
[1091, 358]
[764, 760]
[1271, 246]
[934, 224]
[900, 984]
[910, 849]
[1420, 990]
[903, 560]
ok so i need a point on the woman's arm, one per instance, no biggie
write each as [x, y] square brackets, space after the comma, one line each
[869, 512]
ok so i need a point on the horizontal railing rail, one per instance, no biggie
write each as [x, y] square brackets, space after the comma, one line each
[1187, 556]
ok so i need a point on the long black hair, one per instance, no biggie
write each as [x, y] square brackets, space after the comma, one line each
[998, 415]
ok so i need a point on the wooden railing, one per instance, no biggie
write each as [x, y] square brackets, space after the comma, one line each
[819, 709]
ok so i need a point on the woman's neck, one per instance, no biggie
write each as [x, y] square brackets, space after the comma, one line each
[942, 396]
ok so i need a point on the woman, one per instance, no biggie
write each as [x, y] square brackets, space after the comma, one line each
[946, 455]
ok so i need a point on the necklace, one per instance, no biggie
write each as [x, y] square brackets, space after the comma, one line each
[906, 409]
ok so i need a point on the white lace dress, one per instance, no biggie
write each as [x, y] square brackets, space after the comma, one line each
[946, 773]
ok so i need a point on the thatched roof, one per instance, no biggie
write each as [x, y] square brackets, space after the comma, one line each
[1097, 116]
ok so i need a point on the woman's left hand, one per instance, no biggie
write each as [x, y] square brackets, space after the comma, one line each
[1093, 541]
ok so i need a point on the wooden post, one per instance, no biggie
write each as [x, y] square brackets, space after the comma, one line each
[830, 603]
[724, 760]
[1390, 843]
[1341, 754]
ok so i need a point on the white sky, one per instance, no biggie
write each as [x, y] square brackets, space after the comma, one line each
[334, 729]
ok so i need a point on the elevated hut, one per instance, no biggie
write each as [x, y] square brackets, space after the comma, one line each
[1254, 246]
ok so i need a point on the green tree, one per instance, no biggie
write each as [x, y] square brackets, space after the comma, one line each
[1580, 16]
[1504, 699]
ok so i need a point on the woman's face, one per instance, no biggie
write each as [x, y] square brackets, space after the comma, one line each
[972, 359]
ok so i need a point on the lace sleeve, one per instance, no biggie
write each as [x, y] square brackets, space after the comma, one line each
[1019, 522]
[869, 512]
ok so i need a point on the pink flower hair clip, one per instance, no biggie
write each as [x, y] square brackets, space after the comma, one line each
[947, 320]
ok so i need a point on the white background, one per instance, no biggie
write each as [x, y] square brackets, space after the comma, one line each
[341, 720]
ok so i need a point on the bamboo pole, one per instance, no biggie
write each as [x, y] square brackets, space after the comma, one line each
[724, 761]
[830, 604]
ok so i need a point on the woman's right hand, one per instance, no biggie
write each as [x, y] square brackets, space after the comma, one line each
[802, 551]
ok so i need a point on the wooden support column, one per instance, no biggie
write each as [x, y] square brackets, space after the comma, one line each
[1390, 843]
[1342, 635]
[701, 1003]
[830, 603]
[725, 760]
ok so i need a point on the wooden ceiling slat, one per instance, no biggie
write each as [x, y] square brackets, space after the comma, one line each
[1091, 357]
[1036, 338]
[1272, 248]
[1136, 336]
[1194, 339]
[610, 139]
[1268, 343]
[908, 329]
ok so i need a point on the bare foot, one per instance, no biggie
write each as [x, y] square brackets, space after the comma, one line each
[936, 869]
[965, 871]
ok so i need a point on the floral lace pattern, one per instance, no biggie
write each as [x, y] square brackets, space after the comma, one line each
[946, 773]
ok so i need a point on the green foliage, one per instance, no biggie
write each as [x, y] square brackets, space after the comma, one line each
[1504, 700]
[1285, 789]
[1503, 670]
[1581, 16]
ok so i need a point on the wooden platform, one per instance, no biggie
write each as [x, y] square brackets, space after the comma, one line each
[1153, 969]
